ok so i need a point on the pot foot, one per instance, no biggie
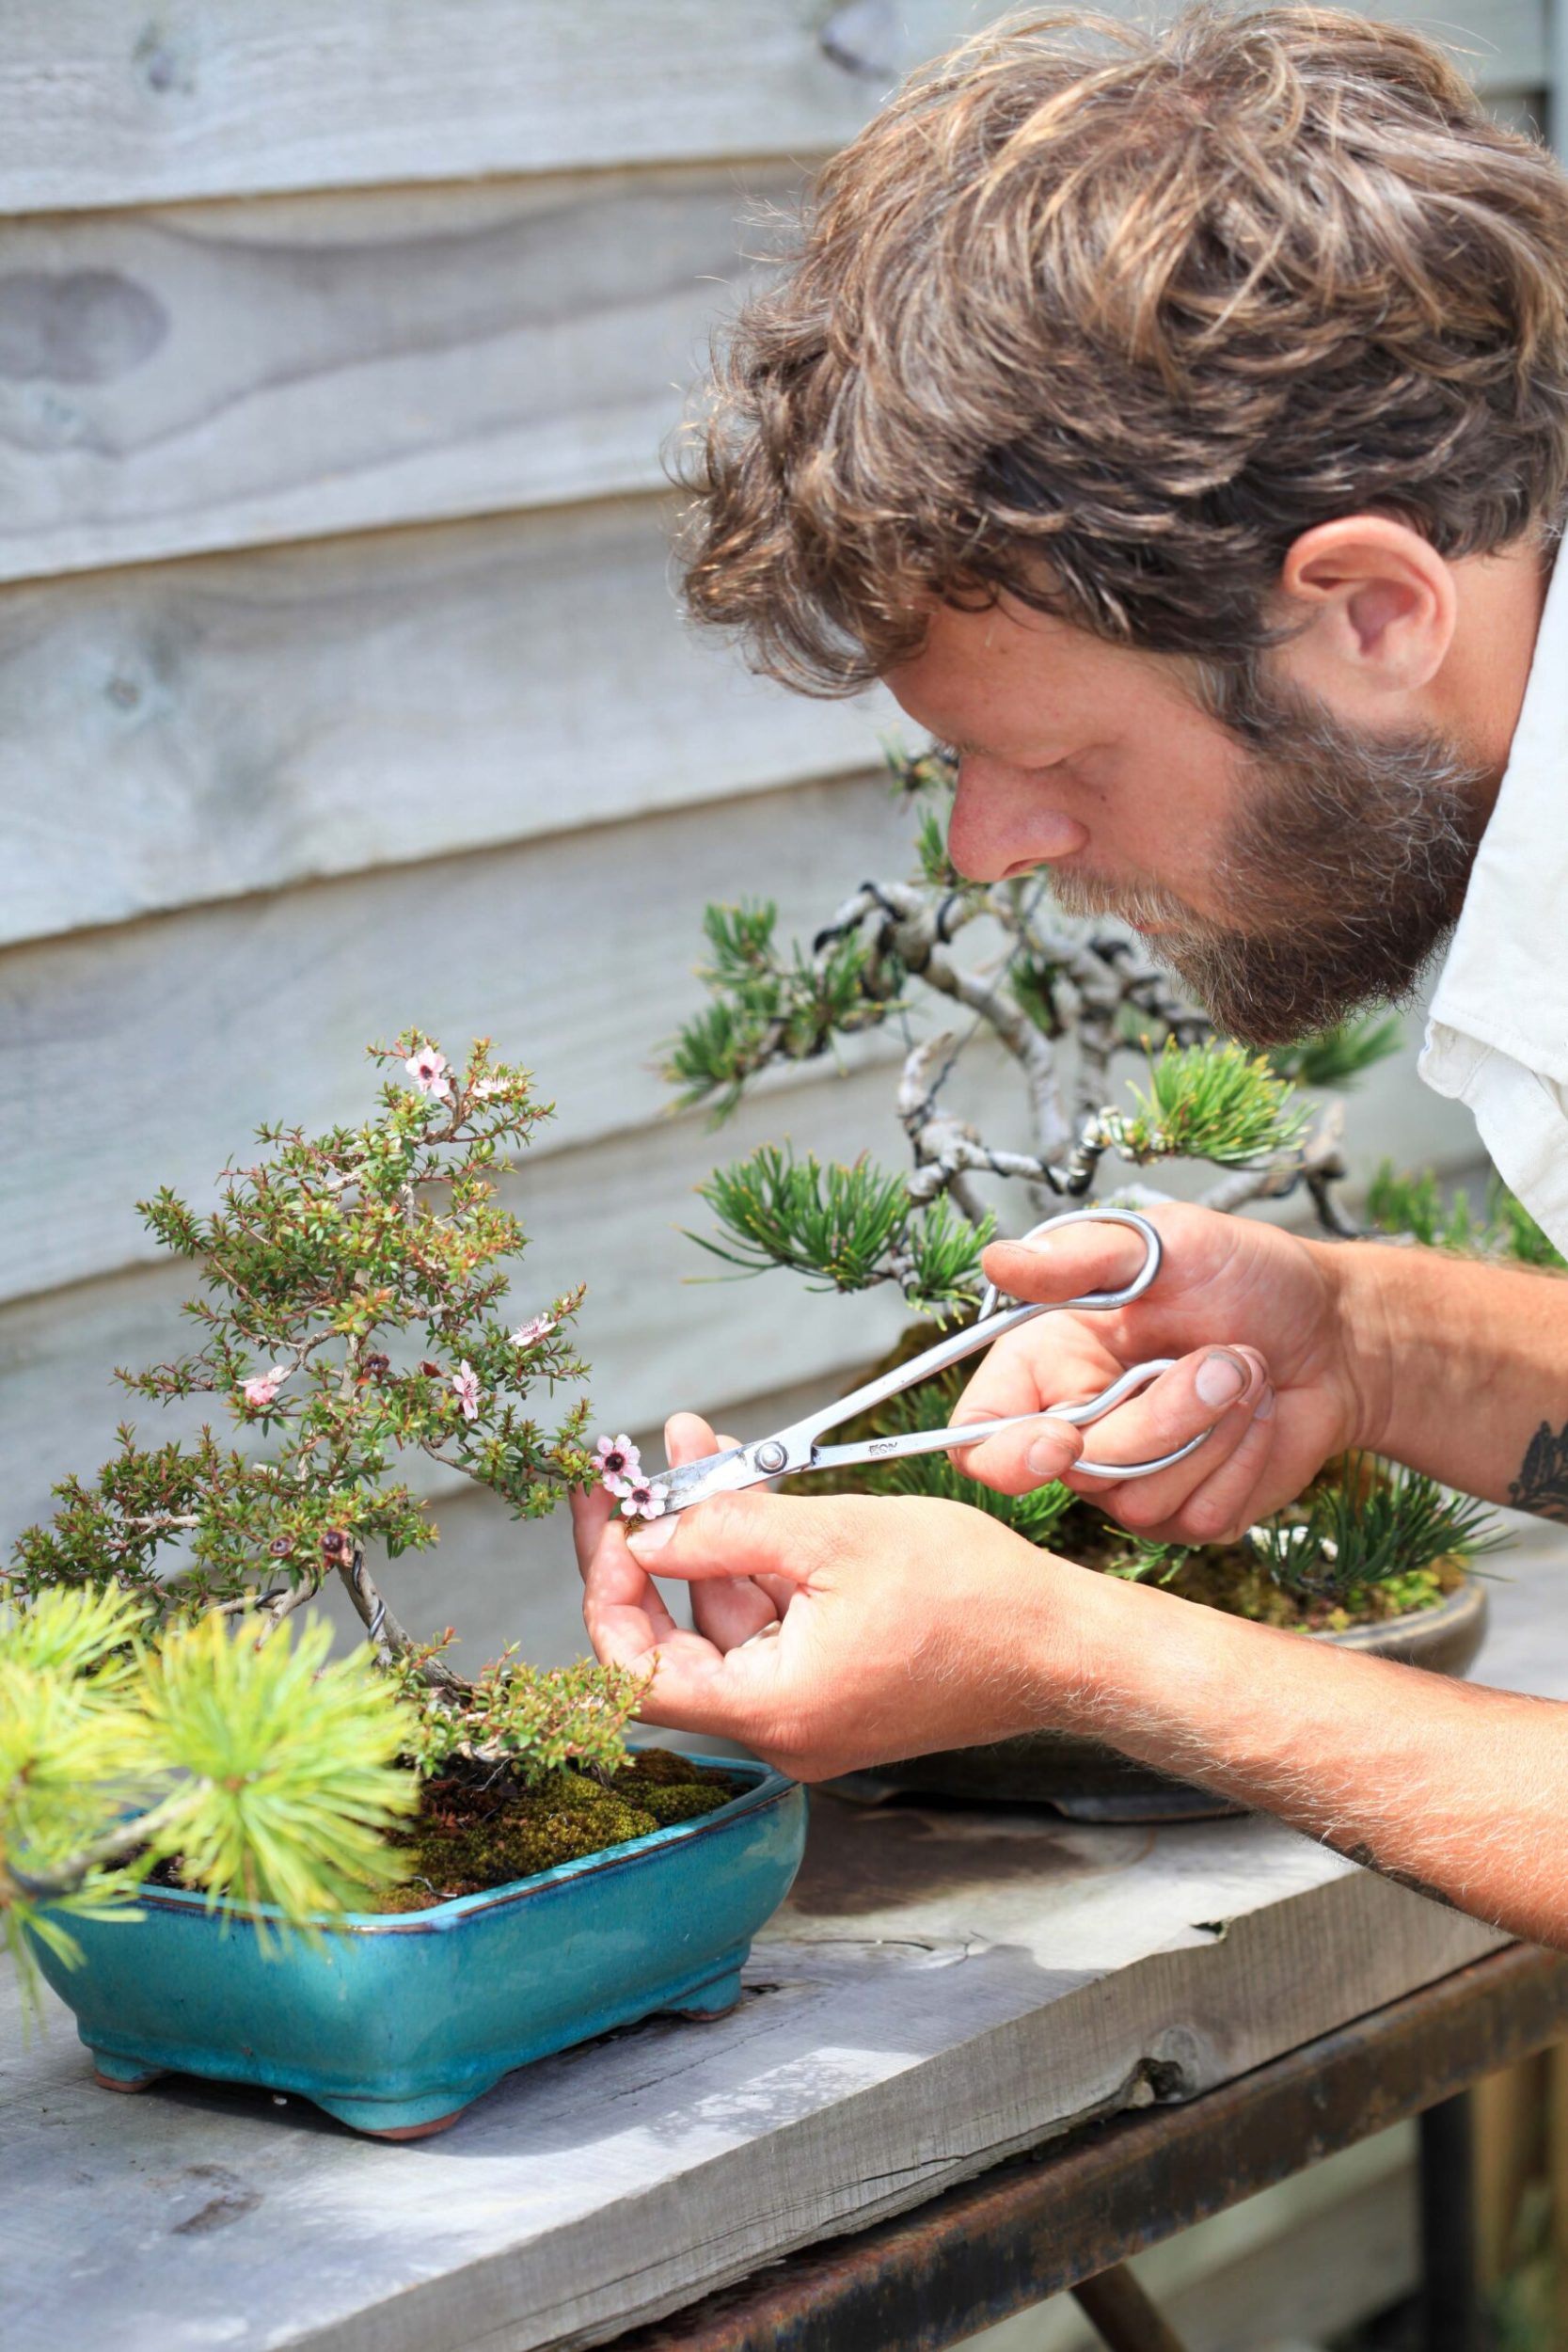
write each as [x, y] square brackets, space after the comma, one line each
[711, 2001]
[397, 2118]
[410, 2131]
[118, 2074]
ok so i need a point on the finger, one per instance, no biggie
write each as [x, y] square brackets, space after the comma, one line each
[688, 1437]
[739, 1534]
[592, 1510]
[1212, 1393]
[732, 1611]
[622, 1609]
[630, 1625]
[1067, 1264]
[694, 1687]
[1077, 1363]
[779, 1589]
[1022, 1459]
[1224, 1507]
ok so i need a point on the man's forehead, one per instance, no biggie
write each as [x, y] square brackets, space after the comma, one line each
[985, 679]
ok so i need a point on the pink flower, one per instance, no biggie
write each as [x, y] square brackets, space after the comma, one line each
[427, 1068]
[261, 1387]
[644, 1499]
[616, 1459]
[465, 1381]
[530, 1334]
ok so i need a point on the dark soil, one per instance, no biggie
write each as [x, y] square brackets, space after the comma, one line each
[476, 1831]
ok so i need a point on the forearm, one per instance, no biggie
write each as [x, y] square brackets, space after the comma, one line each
[1462, 1369]
[1456, 1790]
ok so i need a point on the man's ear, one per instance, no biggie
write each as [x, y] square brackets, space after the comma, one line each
[1379, 608]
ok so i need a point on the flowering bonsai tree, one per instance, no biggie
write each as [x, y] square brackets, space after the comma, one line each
[956, 968]
[352, 1321]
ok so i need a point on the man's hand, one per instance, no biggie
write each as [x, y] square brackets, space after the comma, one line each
[1266, 1365]
[833, 1631]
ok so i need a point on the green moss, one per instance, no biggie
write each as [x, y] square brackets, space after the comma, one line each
[669, 1805]
[473, 1832]
[672, 1787]
[1227, 1580]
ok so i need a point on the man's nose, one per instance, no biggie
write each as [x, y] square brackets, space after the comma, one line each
[1004, 818]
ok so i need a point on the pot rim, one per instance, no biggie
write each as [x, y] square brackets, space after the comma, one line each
[767, 1787]
[1463, 1597]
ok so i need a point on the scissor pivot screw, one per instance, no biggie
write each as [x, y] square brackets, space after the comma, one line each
[772, 1455]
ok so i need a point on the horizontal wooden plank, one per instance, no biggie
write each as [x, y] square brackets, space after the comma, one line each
[222, 374]
[657, 1333]
[105, 102]
[156, 1049]
[186, 378]
[200, 730]
[1014, 1979]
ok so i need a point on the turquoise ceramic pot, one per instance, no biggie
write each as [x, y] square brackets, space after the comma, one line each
[397, 2021]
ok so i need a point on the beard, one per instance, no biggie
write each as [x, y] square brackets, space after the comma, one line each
[1346, 871]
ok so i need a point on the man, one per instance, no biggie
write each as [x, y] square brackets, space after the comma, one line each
[1180, 426]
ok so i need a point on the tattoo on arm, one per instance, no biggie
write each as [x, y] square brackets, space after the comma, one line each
[1542, 1485]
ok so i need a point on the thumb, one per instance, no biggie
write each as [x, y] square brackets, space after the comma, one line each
[743, 1535]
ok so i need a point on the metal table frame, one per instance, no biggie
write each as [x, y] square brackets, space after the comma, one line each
[1066, 2216]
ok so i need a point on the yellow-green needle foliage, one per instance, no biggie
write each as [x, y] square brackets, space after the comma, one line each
[285, 1767]
[267, 1771]
[1213, 1102]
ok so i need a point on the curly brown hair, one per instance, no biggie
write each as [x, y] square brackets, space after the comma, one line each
[1106, 318]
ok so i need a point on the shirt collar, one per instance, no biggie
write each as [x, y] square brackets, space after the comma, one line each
[1505, 981]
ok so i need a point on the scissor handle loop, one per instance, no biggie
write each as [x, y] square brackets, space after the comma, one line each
[1094, 1302]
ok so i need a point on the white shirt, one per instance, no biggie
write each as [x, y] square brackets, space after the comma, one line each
[1497, 1038]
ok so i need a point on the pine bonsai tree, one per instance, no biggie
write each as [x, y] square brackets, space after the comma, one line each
[266, 1771]
[351, 1324]
[955, 968]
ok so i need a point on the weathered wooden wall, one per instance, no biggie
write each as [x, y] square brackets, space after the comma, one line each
[340, 682]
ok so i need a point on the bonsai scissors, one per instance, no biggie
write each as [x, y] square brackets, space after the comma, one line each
[789, 1451]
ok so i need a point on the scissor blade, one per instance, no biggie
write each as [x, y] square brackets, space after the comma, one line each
[907, 1441]
[724, 1474]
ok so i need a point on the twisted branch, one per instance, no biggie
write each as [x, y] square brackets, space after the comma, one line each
[389, 1637]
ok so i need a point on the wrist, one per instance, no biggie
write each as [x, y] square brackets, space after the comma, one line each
[1175, 1684]
[1361, 1280]
[1093, 1636]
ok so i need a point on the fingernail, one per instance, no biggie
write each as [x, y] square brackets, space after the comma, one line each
[1221, 1378]
[1263, 1409]
[652, 1536]
[1044, 1459]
